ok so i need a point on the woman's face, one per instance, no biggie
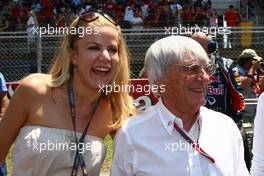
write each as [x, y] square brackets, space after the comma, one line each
[96, 57]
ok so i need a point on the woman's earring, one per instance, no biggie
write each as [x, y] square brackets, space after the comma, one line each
[74, 68]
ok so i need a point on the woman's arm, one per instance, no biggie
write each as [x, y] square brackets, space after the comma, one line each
[16, 115]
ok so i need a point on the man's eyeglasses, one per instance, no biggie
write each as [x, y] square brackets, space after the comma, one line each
[194, 69]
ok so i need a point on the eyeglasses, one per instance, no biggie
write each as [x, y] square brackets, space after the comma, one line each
[194, 69]
[92, 16]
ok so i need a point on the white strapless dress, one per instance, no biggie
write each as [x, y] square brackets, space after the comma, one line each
[43, 151]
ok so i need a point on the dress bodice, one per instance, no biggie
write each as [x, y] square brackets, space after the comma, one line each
[44, 151]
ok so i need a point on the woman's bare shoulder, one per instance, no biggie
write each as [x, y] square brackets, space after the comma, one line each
[35, 84]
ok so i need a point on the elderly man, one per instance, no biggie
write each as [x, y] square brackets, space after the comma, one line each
[178, 136]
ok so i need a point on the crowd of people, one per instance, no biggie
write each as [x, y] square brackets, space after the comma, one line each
[130, 13]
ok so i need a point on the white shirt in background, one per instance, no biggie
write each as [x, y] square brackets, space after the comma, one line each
[128, 13]
[257, 168]
[136, 20]
[30, 25]
[144, 10]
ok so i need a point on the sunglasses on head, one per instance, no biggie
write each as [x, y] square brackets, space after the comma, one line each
[90, 16]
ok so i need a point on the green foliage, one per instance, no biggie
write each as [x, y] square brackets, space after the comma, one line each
[108, 159]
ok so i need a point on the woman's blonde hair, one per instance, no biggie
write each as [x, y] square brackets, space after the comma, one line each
[121, 102]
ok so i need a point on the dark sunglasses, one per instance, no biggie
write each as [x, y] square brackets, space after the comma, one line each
[90, 16]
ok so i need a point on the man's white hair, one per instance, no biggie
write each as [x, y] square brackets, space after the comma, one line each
[170, 50]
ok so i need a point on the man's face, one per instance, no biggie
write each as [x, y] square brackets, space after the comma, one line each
[249, 64]
[185, 87]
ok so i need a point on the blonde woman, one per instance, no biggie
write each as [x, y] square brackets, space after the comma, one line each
[59, 120]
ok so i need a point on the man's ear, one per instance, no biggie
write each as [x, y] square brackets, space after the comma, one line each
[160, 82]
[73, 56]
[161, 88]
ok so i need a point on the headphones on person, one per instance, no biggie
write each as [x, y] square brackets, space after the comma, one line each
[212, 46]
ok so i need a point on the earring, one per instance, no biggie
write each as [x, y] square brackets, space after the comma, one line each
[74, 68]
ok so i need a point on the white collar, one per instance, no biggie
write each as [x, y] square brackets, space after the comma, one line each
[167, 118]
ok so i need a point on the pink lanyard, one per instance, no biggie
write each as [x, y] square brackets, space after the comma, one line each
[196, 146]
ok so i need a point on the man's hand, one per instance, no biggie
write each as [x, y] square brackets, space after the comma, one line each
[255, 65]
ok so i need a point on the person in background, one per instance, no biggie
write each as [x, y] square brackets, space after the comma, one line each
[213, 18]
[129, 11]
[69, 107]
[136, 21]
[4, 23]
[232, 19]
[231, 16]
[3, 106]
[178, 136]
[250, 72]
[257, 168]
[187, 15]
[261, 84]
[224, 93]
[3, 95]
[175, 12]
[32, 24]
[110, 7]
[249, 69]
[219, 94]
[61, 20]
[200, 17]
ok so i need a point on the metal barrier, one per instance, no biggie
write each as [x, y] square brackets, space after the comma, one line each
[251, 102]
[19, 56]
